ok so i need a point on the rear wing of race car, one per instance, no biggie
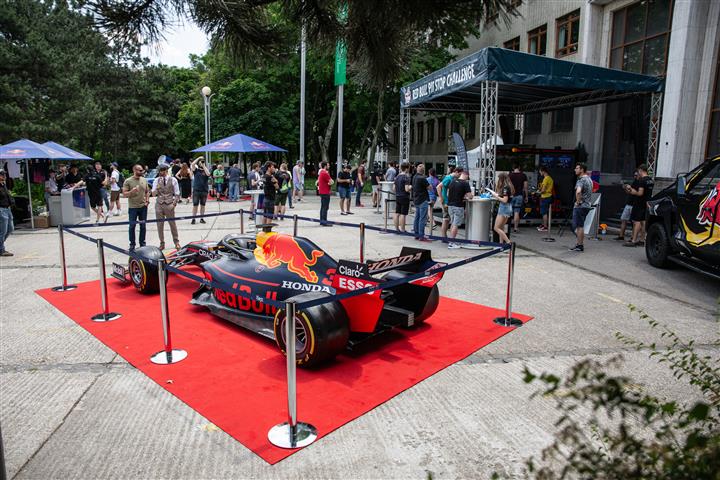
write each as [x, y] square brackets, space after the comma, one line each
[414, 260]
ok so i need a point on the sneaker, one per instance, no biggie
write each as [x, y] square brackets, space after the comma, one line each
[116, 213]
[424, 239]
[350, 213]
[202, 220]
[541, 228]
[453, 246]
[107, 215]
[6, 254]
[578, 248]
[162, 246]
[131, 248]
[343, 213]
[631, 244]
[192, 222]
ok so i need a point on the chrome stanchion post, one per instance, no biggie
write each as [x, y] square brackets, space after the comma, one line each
[295, 225]
[106, 315]
[242, 221]
[362, 243]
[64, 287]
[291, 434]
[168, 355]
[508, 320]
[387, 200]
[549, 237]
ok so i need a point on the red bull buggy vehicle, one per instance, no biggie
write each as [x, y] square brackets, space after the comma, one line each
[281, 267]
[683, 224]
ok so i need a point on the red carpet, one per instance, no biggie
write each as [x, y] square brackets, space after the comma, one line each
[237, 379]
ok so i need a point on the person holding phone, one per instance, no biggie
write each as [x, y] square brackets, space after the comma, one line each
[136, 190]
[201, 175]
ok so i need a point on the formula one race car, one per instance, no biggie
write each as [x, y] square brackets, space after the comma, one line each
[280, 267]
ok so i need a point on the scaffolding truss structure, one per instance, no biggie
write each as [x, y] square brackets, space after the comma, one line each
[654, 134]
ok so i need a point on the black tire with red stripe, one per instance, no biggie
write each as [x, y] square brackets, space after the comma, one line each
[144, 271]
[321, 331]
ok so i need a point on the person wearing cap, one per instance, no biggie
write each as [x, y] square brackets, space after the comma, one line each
[115, 185]
[6, 216]
[167, 190]
[298, 176]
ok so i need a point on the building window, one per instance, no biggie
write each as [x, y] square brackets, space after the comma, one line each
[533, 124]
[567, 34]
[430, 131]
[420, 132]
[470, 120]
[513, 44]
[562, 120]
[640, 37]
[442, 129]
[537, 40]
[713, 142]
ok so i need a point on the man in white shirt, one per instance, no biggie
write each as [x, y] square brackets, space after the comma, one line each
[166, 189]
[115, 188]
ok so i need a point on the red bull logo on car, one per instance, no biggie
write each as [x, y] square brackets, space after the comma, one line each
[274, 249]
[708, 213]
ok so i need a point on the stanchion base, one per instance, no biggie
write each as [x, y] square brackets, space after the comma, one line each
[281, 435]
[105, 317]
[65, 288]
[548, 239]
[166, 358]
[508, 322]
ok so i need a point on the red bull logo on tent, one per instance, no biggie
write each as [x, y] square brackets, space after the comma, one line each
[257, 144]
[223, 145]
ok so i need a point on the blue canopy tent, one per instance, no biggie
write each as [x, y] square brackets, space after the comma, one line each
[239, 143]
[72, 154]
[496, 81]
[25, 149]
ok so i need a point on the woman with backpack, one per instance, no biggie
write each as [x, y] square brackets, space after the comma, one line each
[284, 186]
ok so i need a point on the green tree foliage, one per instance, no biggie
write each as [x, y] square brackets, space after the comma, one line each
[61, 80]
[632, 434]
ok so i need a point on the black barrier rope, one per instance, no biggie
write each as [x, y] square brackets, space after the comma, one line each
[154, 220]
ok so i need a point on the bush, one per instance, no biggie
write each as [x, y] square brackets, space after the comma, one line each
[633, 435]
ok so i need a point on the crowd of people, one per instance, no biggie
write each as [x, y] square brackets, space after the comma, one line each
[197, 181]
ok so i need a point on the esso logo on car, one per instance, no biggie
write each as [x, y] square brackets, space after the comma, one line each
[354, 284]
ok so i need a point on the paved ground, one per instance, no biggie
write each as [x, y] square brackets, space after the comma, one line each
[71, 408]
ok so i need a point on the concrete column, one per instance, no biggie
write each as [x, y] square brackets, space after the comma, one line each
[589, 121]
[685, 55]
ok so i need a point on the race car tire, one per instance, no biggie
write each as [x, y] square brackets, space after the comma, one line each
[144, 271]
[411, 296]
[321, 331]
[657, 246]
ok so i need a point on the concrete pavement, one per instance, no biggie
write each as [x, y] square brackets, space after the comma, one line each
[72, 408]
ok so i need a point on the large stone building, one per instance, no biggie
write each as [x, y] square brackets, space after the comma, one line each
[678, 40]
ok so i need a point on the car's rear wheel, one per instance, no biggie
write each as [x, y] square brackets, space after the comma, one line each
[321, 332]
[657, 246]
[144, 271]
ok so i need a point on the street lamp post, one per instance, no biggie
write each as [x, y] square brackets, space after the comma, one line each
[207, 95]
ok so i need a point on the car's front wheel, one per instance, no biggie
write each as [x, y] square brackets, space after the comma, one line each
[321, 331]
[657, 246]
[144, 270]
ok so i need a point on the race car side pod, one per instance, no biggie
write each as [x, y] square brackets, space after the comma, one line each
[64, 287]
[508, 320]
[106, 315]
[168, 355]
[291, 434]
